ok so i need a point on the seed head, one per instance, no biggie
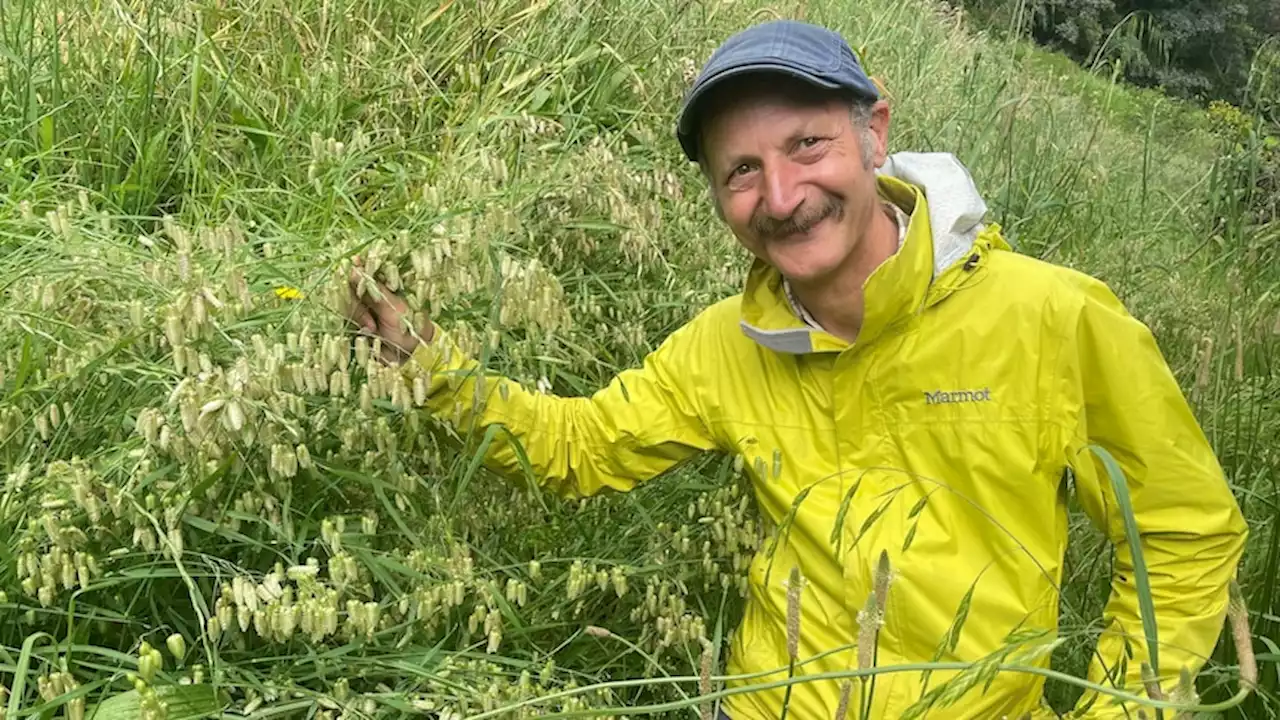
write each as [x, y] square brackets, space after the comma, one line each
[883, 577]
[704, 678]
[868, 629]
[1238, 614]
[794, 588]
[846, 692]
[177, 646]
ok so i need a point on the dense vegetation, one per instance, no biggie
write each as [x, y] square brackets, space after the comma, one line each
[1221, 54]
[1206, 50]
[211, 501]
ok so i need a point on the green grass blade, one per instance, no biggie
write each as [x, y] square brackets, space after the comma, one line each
[1134, 538]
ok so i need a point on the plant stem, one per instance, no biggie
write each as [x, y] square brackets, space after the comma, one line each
[786, 699]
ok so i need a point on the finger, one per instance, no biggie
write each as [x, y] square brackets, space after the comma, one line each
[354, 280]
[387, 307]
[379, 307]
[356, 310]
[363, 319]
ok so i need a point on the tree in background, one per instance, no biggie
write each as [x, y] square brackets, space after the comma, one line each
[1201, 50]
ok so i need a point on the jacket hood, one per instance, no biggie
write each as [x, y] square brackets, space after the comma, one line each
[947, 214]
[956, 208]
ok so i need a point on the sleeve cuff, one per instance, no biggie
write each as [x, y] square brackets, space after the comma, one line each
[430, 357]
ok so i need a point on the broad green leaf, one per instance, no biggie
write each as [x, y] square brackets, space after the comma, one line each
[184, 702]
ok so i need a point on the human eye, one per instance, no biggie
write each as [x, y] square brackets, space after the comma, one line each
[739, 171]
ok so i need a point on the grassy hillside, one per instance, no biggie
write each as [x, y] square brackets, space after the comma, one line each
[191, 451]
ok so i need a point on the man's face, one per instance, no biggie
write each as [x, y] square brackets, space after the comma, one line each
[792, 175]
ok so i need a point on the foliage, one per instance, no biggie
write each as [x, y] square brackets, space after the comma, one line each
[207, 483]
[1202, 49]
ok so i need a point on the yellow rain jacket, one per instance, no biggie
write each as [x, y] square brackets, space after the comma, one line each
[979, 378]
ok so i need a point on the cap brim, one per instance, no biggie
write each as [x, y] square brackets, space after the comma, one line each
[690, 111]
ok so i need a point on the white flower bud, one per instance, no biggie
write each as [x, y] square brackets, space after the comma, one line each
[362, 351]
[304, 457]
[199, 315]
[315, 380]
[175, 542]
[212, 406]
[225, 615]
[298, 573]
[235, 416]
[173, 329]
[212, 299]
[177, 645]
[190, 415]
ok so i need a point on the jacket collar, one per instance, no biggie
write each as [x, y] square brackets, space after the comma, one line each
[938, 237]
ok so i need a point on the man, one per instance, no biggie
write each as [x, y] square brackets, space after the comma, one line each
[889, 355]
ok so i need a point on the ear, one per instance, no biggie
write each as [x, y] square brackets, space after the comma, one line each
[879, 128]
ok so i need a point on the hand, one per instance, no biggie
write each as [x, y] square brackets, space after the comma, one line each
[378, 312]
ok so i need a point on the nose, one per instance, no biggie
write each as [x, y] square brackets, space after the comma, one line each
[782, 193]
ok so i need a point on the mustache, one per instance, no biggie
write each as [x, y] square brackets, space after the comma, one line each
[800, 221]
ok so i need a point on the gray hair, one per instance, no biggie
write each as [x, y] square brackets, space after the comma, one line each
[860, 111]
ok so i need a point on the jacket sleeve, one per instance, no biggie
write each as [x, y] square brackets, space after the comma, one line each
[1190, 527]
[643, 423]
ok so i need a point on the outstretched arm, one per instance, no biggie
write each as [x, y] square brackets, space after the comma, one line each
[639, 426]
[642, 424]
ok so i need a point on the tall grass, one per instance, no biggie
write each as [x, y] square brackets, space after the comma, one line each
[169, 167]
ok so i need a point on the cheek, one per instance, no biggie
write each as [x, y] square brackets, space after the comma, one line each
[736, 208]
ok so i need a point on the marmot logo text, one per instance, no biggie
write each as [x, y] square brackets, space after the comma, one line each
[939, 397]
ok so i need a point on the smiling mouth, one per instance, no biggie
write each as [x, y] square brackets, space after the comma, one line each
[800, 233]
[797, 229]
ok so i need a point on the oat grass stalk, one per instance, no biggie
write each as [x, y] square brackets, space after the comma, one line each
[846, 692]
[794, 590]
[704, 678]
[871, 620]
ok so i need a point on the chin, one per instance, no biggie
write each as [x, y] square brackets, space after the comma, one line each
[805, 265]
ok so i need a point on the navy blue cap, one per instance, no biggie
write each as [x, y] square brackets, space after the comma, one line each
[803, 51]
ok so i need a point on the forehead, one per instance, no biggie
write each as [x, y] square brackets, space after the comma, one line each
[781, 96]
